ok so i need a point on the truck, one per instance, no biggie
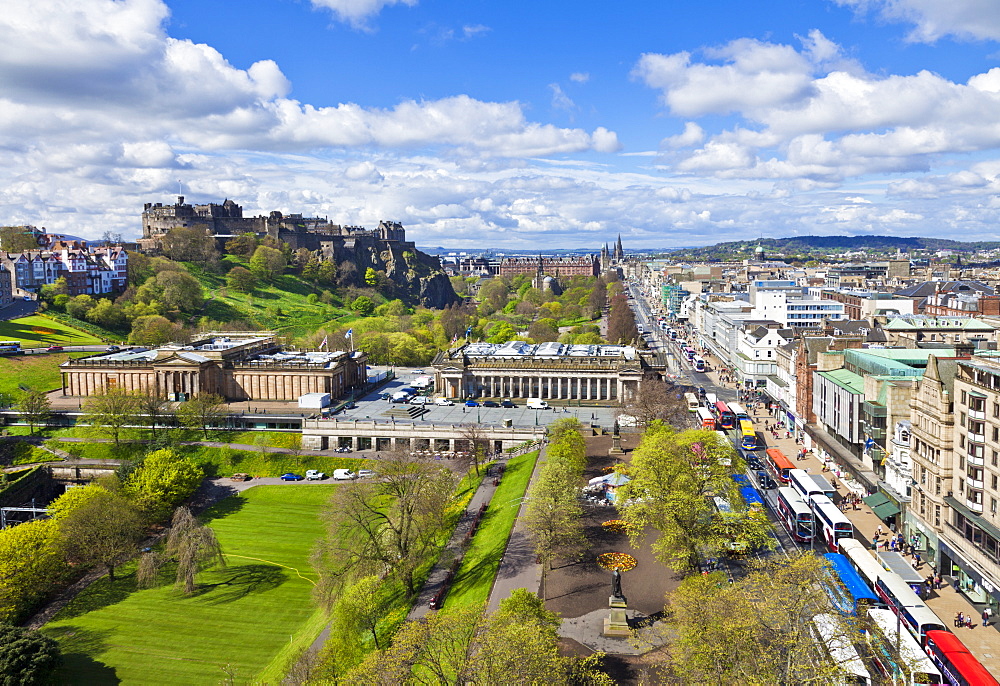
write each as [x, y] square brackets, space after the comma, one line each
[536, 404]
[315, 475]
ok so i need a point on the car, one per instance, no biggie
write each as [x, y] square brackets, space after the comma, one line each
[54, 348]
[384, 396]
[444, 402]
[112, 349]
[240, 476]
[753, 462]
[471, 403]
[362, 473]
[315, 475]
[765, 480]
[343, 475]
[490, 403]
[289, 476]
[507, 402]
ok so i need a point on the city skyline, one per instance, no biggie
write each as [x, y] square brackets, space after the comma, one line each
[671, 125]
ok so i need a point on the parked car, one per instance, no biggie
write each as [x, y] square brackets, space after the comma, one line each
[343, 475]
[471, 403]
[292, 477]
[507, 402]
[315, 475]
[384, 396]
[491, 403]
[443, 402]
[362, 473]
[240, 477]
[54, 348]
[765, 480]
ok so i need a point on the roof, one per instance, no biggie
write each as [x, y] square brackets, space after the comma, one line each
[922, 290]
[847, 380]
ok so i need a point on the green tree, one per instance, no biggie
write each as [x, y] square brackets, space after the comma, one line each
[360, 607]
[267, 264]
[27, 658]
[203, 411]
[153, 330]
[152, 407]
[371, 277]
[104, 530]
[501, 333]
[18, 238]
[243, 245]
[105, 313]
[363, 305]
[179, 290]
[164, 480]
[194, 546]
[543, 330]
[31, 564]
[241, 279]
[35, 408]
[80, 305]
[110, 411]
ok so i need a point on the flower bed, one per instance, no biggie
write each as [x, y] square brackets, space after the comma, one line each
[619, 526]
[620, 561]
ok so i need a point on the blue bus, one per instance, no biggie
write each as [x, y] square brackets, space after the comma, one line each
[750, 494]
[849, 594]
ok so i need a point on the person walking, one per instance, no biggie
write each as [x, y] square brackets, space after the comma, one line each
[986, 616]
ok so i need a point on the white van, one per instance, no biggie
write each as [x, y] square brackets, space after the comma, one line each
[343, 475]
[537, 404]
[420, 400]
[443, 402]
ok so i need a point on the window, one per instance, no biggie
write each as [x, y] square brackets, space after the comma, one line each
[937, 515]
[993, 482]
[995, 458]
[996, 434]
[993, 506]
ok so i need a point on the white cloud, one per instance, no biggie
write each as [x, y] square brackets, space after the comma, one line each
[358, 12]
[579, 77]
[934, 19]
[560, 100]
[692, 135]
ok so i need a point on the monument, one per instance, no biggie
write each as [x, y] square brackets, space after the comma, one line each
[617, 623]
[616, 441]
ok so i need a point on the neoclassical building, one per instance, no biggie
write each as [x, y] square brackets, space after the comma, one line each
[551, 371]
[236, 366]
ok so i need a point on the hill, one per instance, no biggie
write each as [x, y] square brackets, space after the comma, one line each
[808, 245]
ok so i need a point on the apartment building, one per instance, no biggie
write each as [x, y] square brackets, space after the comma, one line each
[87, 270]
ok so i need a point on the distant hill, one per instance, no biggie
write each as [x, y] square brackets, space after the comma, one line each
[806, 245]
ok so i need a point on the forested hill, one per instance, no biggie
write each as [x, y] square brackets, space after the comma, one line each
[833, 244]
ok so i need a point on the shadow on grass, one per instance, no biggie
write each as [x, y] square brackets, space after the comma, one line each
[225, 507]
[78, 666]
[236, 583]
[99, 594]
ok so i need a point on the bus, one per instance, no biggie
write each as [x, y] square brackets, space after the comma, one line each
[958, 666]
[711, 399]
[795, 514]
[897, 564]
[803, 484]
[707, 418]
[689, 353]
[727, 420]
[901, 600]
[863, 562]
[738, 410]
[692, 402]
[779, 464]
[699, 363]
[10, 347]
[833, 524]
[848, 592]
[910, 661]
[748, 435]
[728, 446]
[833, 636]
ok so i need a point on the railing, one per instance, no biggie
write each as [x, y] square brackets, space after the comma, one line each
[977, 414]
[976, 438]
[976, 461]
[974, 506]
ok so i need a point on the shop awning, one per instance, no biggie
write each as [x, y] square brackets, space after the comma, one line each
[881, 505]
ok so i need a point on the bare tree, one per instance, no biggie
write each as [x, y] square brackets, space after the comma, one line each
[194, 546]
[110, 411]
[153, 407]
[202, 411]
[477, 443]
[657, 399]
[35, 408]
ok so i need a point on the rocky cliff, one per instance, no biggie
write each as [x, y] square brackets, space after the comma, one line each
[413, 276]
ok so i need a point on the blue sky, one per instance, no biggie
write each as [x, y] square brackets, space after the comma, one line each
[482, 124]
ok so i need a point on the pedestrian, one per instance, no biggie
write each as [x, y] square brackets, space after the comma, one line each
[875, 544]
[937, 582]
[986, 617]
[878, 530]
[914, 563]
[959, 619]
[968, 621]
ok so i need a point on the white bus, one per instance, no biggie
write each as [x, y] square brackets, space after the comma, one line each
[908, 662]
[692, 402]
[863, 562]
[833, 524]
[833, 635]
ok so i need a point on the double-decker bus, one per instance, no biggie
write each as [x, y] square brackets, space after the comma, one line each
[748, 435]
[727, 446]
[958, 666]
[833, 636]
[912, 611]
[691, 400]
[706, 418]
[848, 592]
[699, 363]
[738, 410]
[806, 484]
[779, 464]
[896, 653]
[862, 561]
[795, 514]
[833, 524]
[725, 416]
[9, 347]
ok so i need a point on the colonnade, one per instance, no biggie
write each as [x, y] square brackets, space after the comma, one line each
[545, 387]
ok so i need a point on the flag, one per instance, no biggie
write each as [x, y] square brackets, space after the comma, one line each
[324, 342]
[468, 332]
[349, 334]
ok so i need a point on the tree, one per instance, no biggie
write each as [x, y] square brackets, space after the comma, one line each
[267, 264]
[477, 443]
[164, 479]
[543, 330]
[241, 279]
[243, 245]
[105, 313]
[110, 411]
[80, 305]
[179, 290]
[153, 330]
[363, 305]
[35, 408]
[621, 321]
[360, 607]
[27, 658]
[190, 244]
[153, 407]
[103, 530]
[18, 238]
[194, 546]
[656, 399]
[203, 411]
[501, 333]
[673, 477]
[371, 277]
[387, 526]
[31, 563]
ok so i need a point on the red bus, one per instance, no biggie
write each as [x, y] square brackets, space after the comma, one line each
[727, 420]
[706, 418]
[779, 464]
[795, 514]
[958, 666]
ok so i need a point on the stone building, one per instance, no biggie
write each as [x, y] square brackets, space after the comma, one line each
[588, 265]
[551, 371]
[236, 366]
[87, 270]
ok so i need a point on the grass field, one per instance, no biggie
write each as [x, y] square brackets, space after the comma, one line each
[38, 372]
[37, 331]
[482, 559]
[246, 618]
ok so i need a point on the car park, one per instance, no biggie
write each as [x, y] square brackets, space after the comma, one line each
[292, 477]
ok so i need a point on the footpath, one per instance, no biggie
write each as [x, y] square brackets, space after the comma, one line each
[947, 602]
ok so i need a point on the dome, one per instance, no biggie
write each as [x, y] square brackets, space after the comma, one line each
[759, 250]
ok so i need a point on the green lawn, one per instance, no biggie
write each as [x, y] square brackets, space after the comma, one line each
[38, 331]
[38, 372]
[482, 560]
[249, 616]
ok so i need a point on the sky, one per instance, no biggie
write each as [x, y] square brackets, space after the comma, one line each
[482, 124]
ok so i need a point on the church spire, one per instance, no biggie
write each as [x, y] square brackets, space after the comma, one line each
[619, 252]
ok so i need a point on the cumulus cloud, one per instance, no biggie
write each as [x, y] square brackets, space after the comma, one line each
[357, 13]
[934, 19]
